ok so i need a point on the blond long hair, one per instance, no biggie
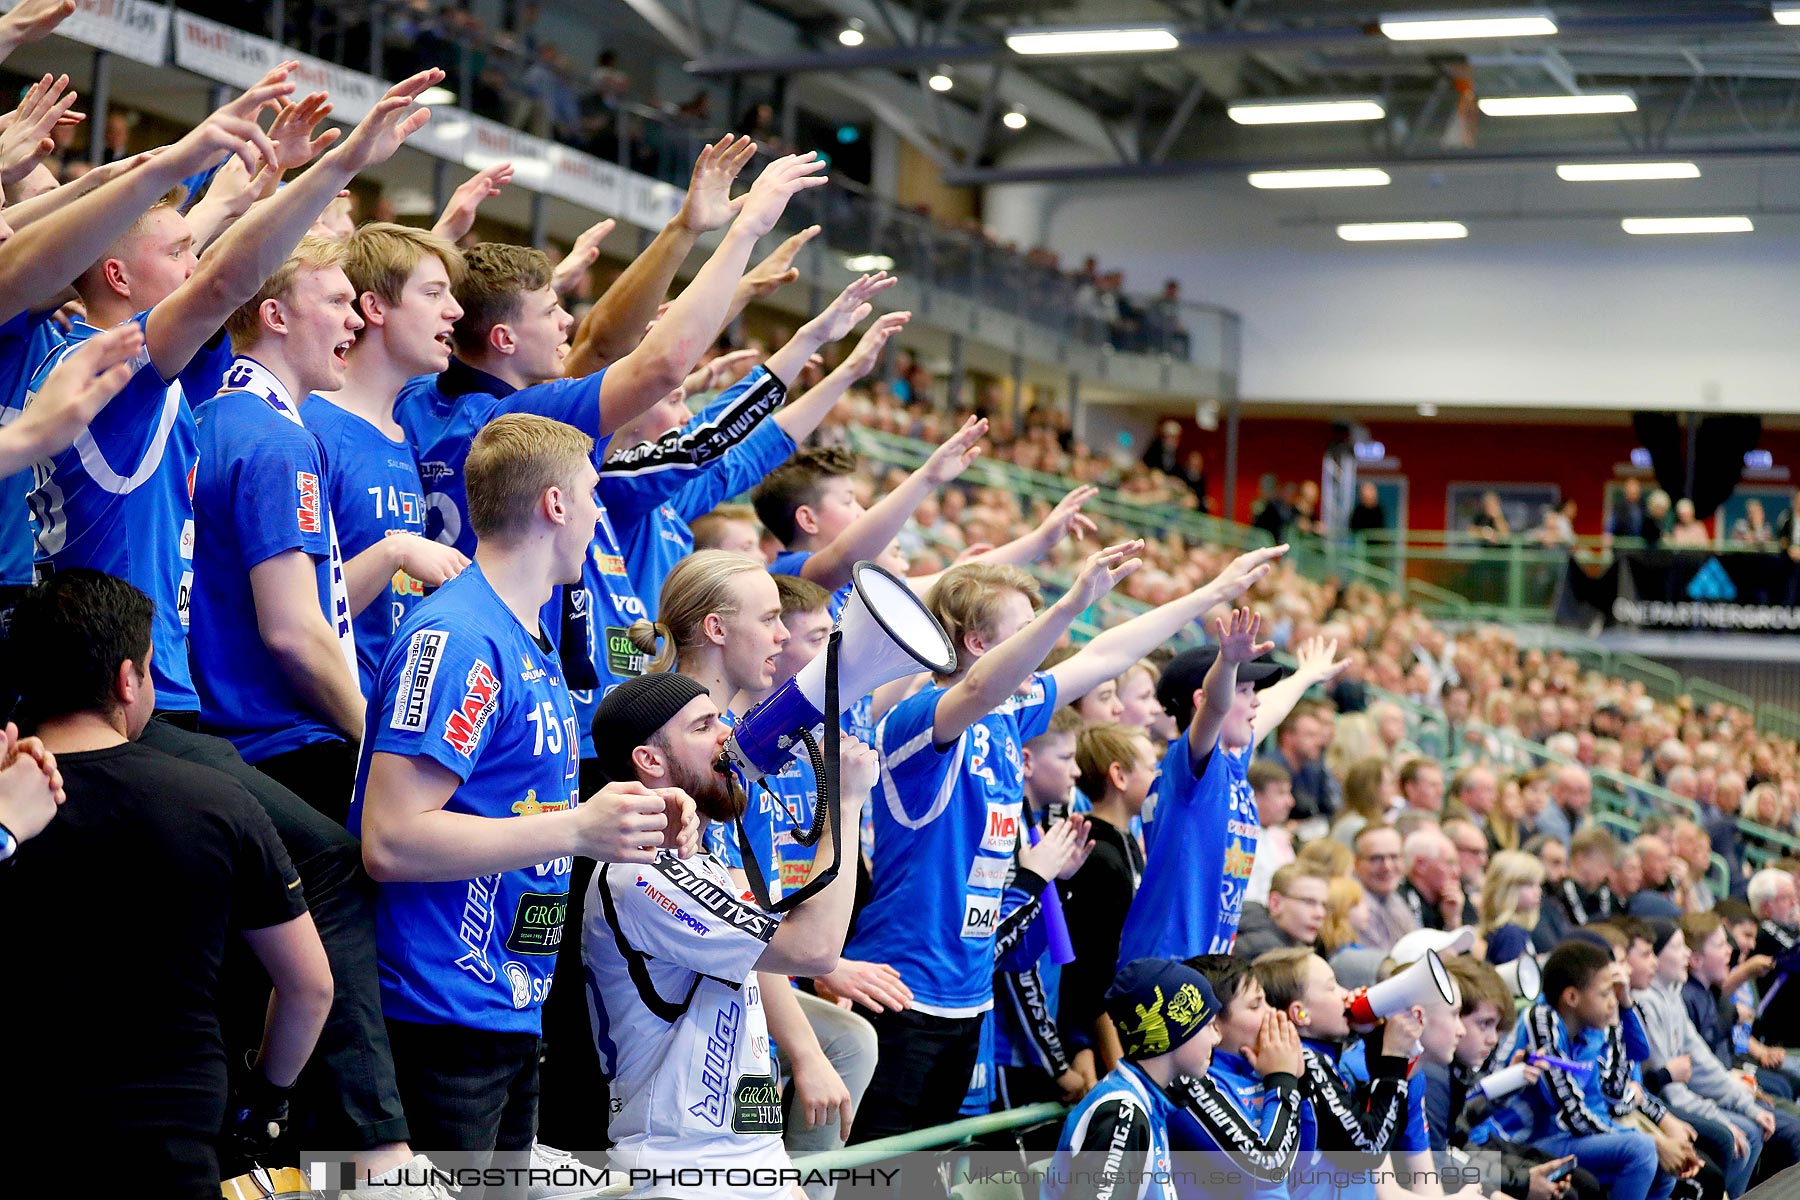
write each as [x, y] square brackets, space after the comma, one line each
[1507, 873]
[701, 584]
[1342, 896]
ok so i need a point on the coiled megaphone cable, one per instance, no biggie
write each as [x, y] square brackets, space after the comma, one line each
[825, 808]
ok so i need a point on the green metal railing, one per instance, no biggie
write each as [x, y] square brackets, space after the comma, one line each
[956, 1133]
[1428, 568]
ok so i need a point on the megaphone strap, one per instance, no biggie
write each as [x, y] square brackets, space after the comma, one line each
[826, 773]
[636, 964]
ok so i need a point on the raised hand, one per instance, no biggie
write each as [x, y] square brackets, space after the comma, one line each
[1277, 1049]
[708, 204]
[850, 307]
[1060, 852]
[951, 459]
[459, 214]
[395, 117]
[1237, 640]
[27, 136]
[858, 769]
[1247, 570]
[1103, 571]
[1401, 1031]
[292, 132]
[761, 208]
[1316, 658]
[233, 128]
[1067, 518]
[583, 254]
[33, 20]
[862, 360]
[75, 392]
[777, 271]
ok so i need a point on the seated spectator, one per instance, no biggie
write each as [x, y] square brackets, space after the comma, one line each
[1776, 904]
[1368, 794]
[1664, 887]
[1753, 528]
[152, 1081]
[1432, 889]
[1471, 855]
[1571, 795]
[1273, 789]
[1511, 895]
[1689, 530]
[1422, 785]
[1292, 917]
[1386, 917]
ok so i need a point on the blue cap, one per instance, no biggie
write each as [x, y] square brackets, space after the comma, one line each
[1158, 1004]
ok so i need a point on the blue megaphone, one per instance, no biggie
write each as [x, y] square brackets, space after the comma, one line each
[887, 634]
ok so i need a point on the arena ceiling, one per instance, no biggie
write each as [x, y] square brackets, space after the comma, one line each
[1706, 79]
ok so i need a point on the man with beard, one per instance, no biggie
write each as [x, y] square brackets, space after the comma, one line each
[672, 948]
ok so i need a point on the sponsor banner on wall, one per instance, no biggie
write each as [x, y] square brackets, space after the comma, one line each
[1687, 589]
[237, 58]
[135, 29]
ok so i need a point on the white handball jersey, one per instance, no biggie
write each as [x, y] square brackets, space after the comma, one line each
[671, 951]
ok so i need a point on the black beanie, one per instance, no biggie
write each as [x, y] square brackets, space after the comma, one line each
[634, 710]
[1661, 930]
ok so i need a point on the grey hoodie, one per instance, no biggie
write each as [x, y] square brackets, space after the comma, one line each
[1672, 1034]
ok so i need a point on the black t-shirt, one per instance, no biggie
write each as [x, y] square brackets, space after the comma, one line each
[113, 925]
[1095, 901]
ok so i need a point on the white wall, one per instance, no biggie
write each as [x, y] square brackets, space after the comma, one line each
[1550, 312]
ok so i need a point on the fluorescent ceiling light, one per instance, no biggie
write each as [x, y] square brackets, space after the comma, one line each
[1013, 119]
[1330, 178]
[1614, 172]
[850, 35]
[1652, 226]
[1787, 13]
[1490, 23]
[940, 82]
[437, 95]
[1403, 231]
[1300, 112]
[1114, 40]
[861, 263]
[1587, 104]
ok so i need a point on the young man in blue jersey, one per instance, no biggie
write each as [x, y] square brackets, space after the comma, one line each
[667, 467]
[947, 822]
[468, 805]
[1226, 699]
[403, 280]
[512, 341]
[1116, 1142]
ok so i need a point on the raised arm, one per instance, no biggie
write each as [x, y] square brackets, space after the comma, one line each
[614, 326]
[1316, 662]
[998, 673]
[1111, 653]
[672, 347]
[1237, 646]
[458, 216]
[39, 261]
[257, 245]
[800, 417]
[581, 257]
[811, 935]
[848, 309]
[70, 398]
[869, 534]
[32, 21]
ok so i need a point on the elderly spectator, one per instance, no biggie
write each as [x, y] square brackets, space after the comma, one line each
[1662, 880]
[1422, 785]
[1689, 530]
[1753, 528]
[1720, 820]
[1387, 917]
[1571, 795]
[1776, 903]
[1656, 517]
[1471, 855]
[1432, 889]
[1473, 794]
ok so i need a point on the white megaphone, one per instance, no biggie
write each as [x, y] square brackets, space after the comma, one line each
[887, 633]
[1420, 984]
[1523, 977]
[1504, 1082]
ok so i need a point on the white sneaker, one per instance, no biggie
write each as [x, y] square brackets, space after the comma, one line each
[399, 1184]
[569, 1175]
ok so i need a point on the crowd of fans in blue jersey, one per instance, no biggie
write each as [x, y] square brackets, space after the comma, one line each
[375, 629]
